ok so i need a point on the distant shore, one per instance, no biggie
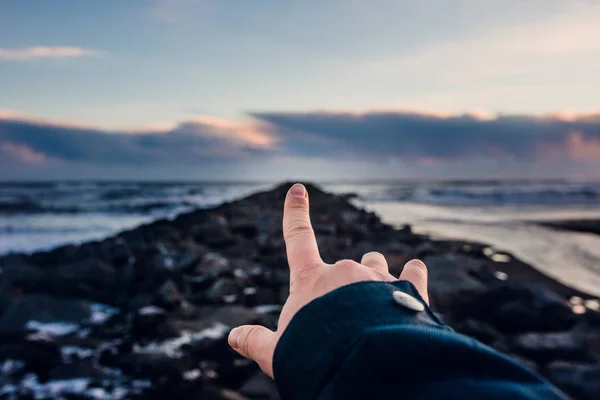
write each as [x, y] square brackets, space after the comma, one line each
[576, 225]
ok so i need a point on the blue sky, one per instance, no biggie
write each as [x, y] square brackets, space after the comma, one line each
[224, 72]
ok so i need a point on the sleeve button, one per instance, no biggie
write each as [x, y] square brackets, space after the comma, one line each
[407, 301]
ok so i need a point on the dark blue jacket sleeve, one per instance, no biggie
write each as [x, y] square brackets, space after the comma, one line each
[357, 343]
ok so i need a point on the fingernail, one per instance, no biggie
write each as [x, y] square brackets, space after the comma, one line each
[298, 190]
[234, 337]
[417, 263]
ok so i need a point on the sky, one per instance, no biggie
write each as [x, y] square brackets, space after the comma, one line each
[268, 89]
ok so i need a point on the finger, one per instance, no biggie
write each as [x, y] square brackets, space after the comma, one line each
[256, 343]
[300, 242]
[415, 272]
[376, 261]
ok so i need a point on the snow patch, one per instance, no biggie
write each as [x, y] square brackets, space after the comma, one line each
[268, 308]
[250, 291]
[69, 351]
[101, 313]
[191, 375]
[9, 367]
[172, 347]
[230, 298]
[150, 310]
[51, 328]
[80, 387]
[240, 273]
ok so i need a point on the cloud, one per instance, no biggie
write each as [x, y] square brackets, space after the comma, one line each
[434, 138]
[384, 144]
[13, 153]
[30, 53]
[194, 142]
[580, 147]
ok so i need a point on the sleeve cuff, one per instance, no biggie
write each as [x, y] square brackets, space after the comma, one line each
[322, 333]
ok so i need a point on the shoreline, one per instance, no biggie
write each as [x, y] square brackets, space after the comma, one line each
[568, 258]
[590, 225]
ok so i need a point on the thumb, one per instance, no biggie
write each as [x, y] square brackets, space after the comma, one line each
[256, 343]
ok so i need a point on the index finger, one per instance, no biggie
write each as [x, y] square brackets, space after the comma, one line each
[300, 241]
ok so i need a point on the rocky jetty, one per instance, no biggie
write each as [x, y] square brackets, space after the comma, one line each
[145, 314]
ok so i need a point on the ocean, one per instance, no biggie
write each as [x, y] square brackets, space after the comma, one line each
[39, 216]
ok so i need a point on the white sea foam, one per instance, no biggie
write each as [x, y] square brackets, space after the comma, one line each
[52, 328]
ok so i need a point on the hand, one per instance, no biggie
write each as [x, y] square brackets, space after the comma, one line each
[310, 278]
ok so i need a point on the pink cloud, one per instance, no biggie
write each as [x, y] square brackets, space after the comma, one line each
[251, 133]
[578, 147]
[29, 53]
[22, 154]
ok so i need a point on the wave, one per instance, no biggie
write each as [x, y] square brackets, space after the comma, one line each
[34, 216]
[482, 194]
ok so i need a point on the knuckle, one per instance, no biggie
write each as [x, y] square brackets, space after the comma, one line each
[297, 228]
[298, 204]
[248, 344]
[303, 274]
[346, 264]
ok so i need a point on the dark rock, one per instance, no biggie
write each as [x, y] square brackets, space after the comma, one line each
[260, 386]
[582, 381]
[449, 280]
[234, 316]
[120, 253]
[44, 308]
[16, 275]
[148, 323]
[325, 229]
[94, 273]
[477, 329]
[196, 285]
[215, 233]
[242, 250]
[223, 289]
[268, 296]
[245, 227]
[426, 249]
[168, 295]
[39, 356]
[356, 232]
[159, 368]
[515, 308]
[187, 259]
[213, 265]
[78, 369]
[545, 347]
